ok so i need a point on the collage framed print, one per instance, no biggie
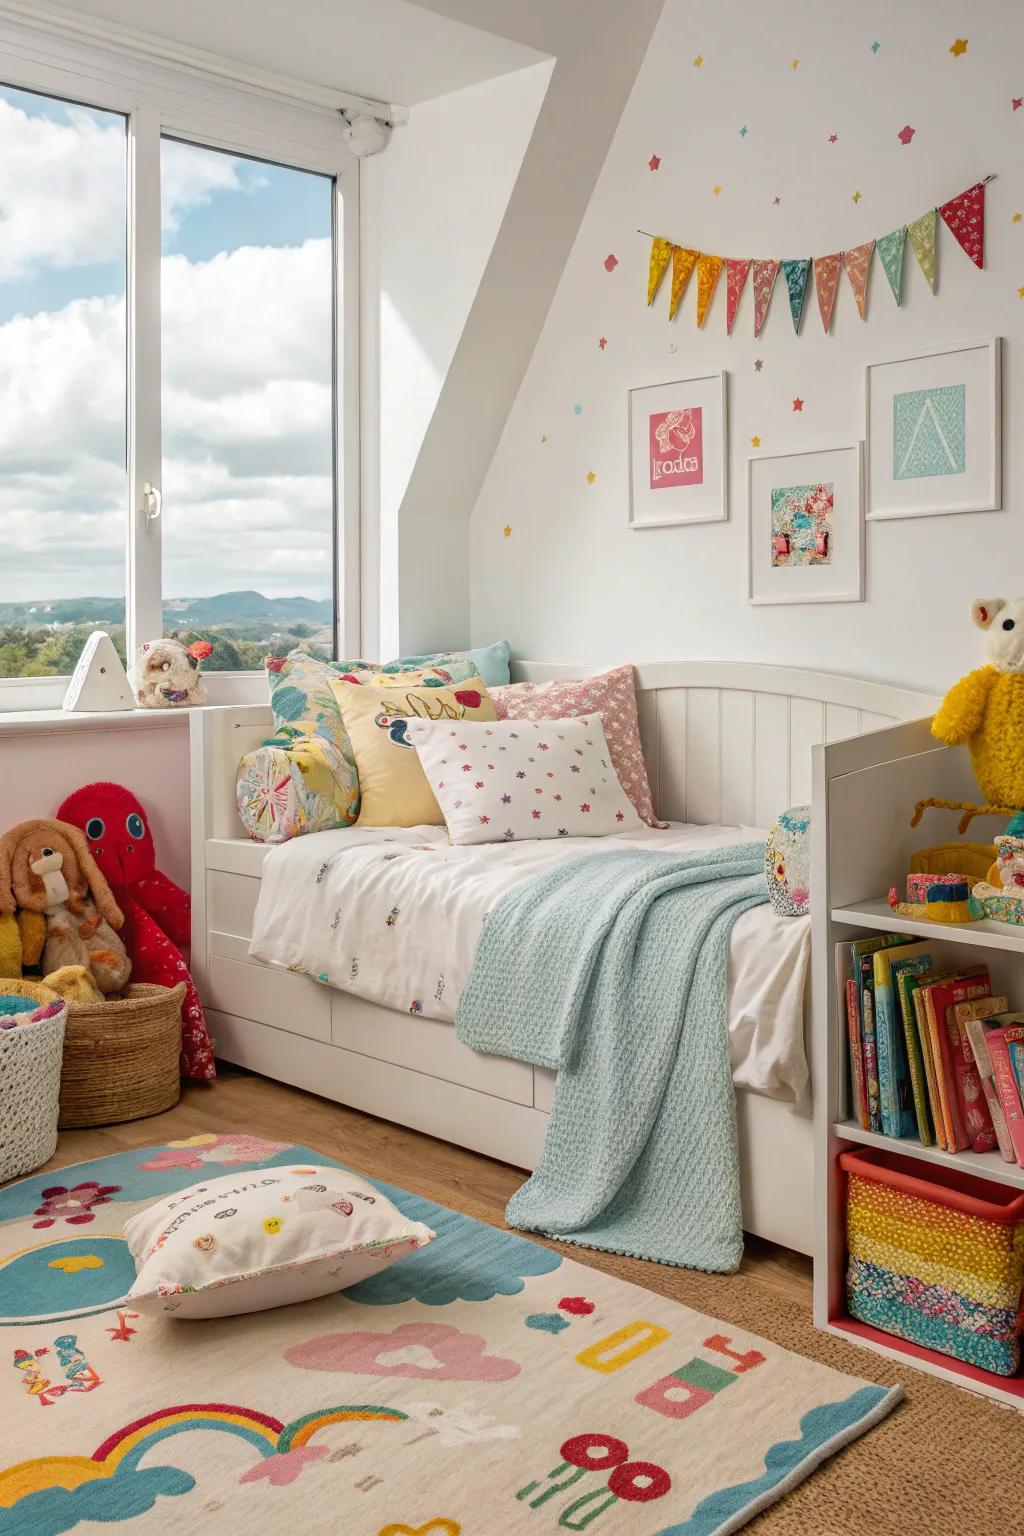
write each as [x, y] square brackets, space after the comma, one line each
[678, 465]
[934, 432]
[805, 531]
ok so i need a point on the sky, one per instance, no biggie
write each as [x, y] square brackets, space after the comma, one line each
[246, 357]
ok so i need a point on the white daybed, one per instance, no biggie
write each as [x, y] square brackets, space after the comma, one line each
[725, 742]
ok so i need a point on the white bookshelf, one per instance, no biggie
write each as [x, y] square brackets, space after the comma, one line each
[864, 793]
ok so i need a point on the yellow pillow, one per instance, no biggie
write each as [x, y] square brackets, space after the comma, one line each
[392, 785]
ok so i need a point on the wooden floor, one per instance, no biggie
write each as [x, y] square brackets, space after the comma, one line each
[464, 1180]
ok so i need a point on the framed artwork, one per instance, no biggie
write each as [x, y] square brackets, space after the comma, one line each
[934, 432]
[805, 530]
[678, 464]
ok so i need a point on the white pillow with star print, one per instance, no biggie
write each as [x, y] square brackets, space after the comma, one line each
[264, 1238]
[510, 780]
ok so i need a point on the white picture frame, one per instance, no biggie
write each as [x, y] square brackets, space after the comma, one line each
[692, 465]
[776, 574]
[945, 455]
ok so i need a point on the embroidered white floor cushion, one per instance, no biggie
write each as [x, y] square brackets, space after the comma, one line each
[264, 1238]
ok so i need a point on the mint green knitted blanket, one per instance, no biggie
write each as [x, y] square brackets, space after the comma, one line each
[612, 969]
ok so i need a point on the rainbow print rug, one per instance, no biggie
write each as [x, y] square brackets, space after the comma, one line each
[484, 1386]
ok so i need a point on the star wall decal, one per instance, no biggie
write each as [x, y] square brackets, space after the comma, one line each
[758, 364]
[755, 442]
[1016, 219]
[610, 263]
[507, 530]
[1017, 102]
[603, 342]
[795, 64]
[958, 46]
[698, 61]
[906, 134]
[776, 201]
[654, 163]
[1020, 293]
[716, 190]
[798, 404]
[856, 197]
[833, 138]
[875, 47]
[591, 477]
[743, 132]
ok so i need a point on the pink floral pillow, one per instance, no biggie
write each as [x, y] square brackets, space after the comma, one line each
[610, 694]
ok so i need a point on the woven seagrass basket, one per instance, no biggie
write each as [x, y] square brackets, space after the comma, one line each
[121, 1057]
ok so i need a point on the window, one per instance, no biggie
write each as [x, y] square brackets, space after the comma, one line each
[177, 301]
[63, 471]
[247, 406]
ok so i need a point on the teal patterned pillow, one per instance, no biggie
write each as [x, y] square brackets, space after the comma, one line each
[787, 862]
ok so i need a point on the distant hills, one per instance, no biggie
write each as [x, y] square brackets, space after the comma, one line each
[188, 613]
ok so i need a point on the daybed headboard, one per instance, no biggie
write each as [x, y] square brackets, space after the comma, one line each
[724, 741]
[730, 741]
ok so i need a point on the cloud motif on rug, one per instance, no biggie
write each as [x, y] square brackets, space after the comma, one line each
[468, 1261]
[130, 1492]
[416, 1351]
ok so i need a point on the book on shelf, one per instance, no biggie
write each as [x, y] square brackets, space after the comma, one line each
[915, 996]
[974, 1028]
[971, 1098]
[1006, 1082]
[938, 997]
[853, 967]
[895, 1070]
[905, 981]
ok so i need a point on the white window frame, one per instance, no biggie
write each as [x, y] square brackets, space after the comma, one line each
[161, 99]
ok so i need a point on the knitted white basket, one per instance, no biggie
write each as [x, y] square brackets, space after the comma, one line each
[30, 1062]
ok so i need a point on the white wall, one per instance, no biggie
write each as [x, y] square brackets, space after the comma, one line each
[432, 206]
[571, 582]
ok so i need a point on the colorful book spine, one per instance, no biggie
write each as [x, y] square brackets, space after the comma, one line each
[867, 1014]
[930, 1075]
[975, 1031]
[858, 1082]
[1006, 1086]
[915, 1060]
[937, 999]
[893, 1073]
[971, 1098]
[905, 1054]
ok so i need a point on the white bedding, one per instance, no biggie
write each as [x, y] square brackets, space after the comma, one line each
[394, 915]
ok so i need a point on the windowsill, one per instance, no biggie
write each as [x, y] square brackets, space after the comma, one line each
[32, 702]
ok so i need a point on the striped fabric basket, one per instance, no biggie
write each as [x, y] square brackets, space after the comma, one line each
[936, 1260]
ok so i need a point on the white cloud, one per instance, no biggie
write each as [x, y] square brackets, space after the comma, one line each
[62, 188]
[246, 428]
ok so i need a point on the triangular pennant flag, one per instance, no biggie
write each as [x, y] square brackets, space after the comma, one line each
[683, 263]
[858, 265]
[826, 276]
[795, 273]
[735, 282]
[965, 217]
[922, 238]
[890, 252]
[661, 250]
[765, 273]
[709, 270]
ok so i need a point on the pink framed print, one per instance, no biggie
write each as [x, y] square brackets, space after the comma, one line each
[677, 453]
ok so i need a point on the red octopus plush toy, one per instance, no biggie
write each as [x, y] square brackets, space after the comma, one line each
[157, 913]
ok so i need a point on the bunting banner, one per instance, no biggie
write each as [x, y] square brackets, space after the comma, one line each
[795, 273]
[921, 234]
[826, 276]
[661, 251]
[858, 266]
[765, 273]
[963, 216]
[890, 254]
[709, 269]
[683, 263]
[735, 282]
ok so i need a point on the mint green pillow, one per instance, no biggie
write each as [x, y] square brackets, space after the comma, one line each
[488, 661]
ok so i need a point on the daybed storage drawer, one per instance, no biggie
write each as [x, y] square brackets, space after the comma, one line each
[231, 902]
[425, 1045]
[289, 1002]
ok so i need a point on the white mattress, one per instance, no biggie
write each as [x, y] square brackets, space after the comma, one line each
[394, 915]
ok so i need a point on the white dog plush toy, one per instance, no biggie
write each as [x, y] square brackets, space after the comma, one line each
[166, 675]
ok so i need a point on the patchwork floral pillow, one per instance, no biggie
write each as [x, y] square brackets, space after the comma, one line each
[787, 862]
[264, 1238]
[610, 694]
[523, 779]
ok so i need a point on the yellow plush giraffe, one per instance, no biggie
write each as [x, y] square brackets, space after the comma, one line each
[984, 711]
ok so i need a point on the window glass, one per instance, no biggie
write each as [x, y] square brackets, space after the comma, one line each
[247, 405]
[63, 478]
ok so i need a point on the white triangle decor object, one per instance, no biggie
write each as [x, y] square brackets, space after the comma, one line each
[99, 681]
